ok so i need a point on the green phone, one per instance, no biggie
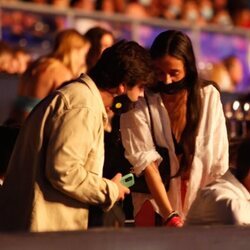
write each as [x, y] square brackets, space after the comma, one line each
[128, 180]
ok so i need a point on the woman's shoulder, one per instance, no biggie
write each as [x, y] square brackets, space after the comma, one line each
[44, 65]
[56, 71]
[209, 88]
[209, 84]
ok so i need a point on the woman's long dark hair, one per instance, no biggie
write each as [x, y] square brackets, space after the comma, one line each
[94, 36]
[177, 44]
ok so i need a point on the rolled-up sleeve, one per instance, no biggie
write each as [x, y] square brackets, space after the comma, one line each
[137, 139]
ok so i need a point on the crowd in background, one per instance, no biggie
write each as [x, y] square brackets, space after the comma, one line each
[227, 71]
[202, 12]
[37, 30]
[13, 60]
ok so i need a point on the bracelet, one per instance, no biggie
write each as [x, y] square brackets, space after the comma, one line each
[171, 215]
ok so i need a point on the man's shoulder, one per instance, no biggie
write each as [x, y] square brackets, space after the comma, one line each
[77, 95]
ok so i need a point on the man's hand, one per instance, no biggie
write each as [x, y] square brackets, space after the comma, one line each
[122, 189]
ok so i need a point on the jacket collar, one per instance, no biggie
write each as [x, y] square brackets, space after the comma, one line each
[93, 88]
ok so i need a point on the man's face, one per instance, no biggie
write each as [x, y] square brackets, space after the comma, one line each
[133, 94]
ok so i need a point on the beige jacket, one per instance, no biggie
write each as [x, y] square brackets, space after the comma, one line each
[56, 167]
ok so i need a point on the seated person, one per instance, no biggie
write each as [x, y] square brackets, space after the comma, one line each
[226, 200]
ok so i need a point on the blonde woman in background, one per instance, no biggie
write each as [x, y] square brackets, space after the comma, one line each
[65, 62]
[228, 73]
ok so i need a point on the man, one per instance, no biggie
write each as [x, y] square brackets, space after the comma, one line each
[227, 200]
[55, 170]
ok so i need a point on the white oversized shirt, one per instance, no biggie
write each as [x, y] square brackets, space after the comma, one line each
[225, 201]
[211, 153]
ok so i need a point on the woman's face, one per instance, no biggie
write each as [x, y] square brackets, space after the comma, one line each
[106, 41]
[169, 69]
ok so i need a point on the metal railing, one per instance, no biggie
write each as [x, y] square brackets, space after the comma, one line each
[72, 14]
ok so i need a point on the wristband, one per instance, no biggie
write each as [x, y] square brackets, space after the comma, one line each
[173, 220]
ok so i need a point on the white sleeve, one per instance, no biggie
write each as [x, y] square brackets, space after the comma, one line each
[220, 145]
[212, 140]
[240, 211]
[137, 139]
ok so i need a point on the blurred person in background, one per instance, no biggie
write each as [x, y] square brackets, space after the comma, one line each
[16, 28]
[143, 8]
[240, 12]
[219, 5]
[188, 120]
[60, 21]
[191, 14]
[85, 5]
[111, 6]
[23, 58]
[60, 3]
[234, 67]
[228, 73]
[13, 60]
[242, 18]
[40, 1]
[99, 39]
[136, 10]
[219, 74]
[206, 10]
[6, 58]
[65, 62]
[171, 10]
[222, 16]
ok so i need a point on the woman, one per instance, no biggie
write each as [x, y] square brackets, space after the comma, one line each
[44, 75]
[188, 120]
[100, 39]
